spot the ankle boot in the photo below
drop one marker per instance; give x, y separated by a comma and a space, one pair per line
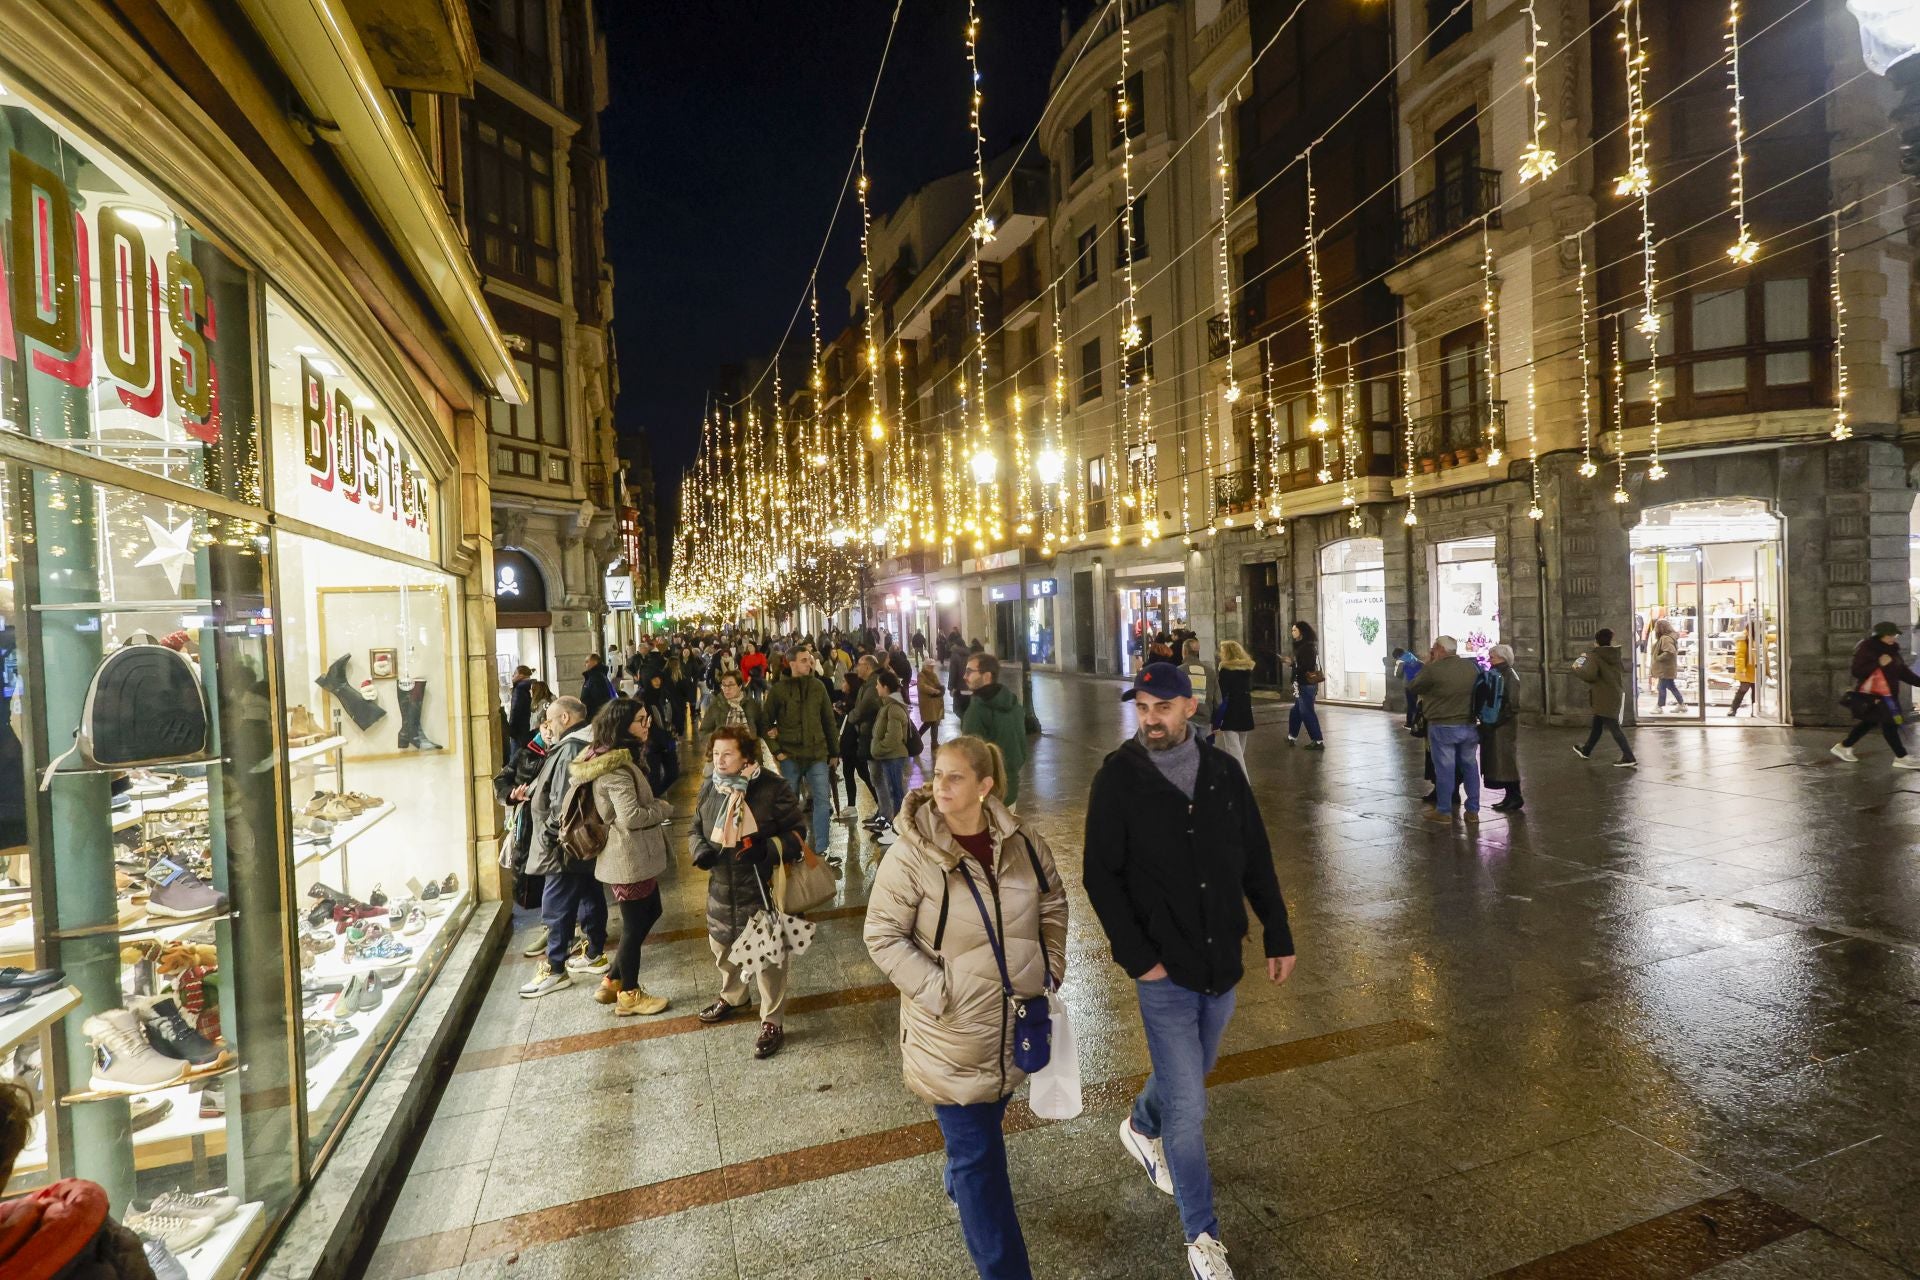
413, 699
362, 712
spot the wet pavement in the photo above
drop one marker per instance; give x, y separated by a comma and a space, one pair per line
1661, 1023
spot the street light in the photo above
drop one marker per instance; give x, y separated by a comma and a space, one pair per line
984, 465
1889, 37
1050, 466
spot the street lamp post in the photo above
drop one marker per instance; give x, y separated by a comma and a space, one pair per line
1889, 37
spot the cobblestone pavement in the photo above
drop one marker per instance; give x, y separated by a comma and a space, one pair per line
1663, 1023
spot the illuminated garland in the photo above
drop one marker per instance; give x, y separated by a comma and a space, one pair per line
1619, 416
1840, 429
1743, 250
1129, 431
1587, 468
1316, 328
1534, 511
1412, 517
1488, 311
1536, 161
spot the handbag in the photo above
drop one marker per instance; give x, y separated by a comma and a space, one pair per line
803, 884
1314, 677
770, 939
1032, 1019
1055, 1093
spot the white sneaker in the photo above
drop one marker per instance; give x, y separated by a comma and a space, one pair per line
544, 982
1842, 751
1207, 1259
888, 835
588, 964
537, 947
1148, 1151
1907, 762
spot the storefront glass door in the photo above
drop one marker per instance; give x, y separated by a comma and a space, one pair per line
1353, 626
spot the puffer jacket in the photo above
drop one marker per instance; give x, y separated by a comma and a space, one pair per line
1602, 668
956, 1024
891, 727
636, 843
737, 876
64, 1232
545, 856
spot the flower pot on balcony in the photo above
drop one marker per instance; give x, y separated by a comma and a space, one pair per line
1429, 465
1463, 457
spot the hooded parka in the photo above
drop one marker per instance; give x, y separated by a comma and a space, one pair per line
1602, 668
636, 842
956, 1024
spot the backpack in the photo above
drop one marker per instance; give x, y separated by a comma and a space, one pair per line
915, 743
583, 832
1489, 696
144, 706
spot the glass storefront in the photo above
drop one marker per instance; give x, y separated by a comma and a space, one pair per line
1149, 609
233, 816
1353, 611
1710, 572
1466, 594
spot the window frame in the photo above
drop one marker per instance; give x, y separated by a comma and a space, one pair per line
489, 214
1080, 148
1090, 372
1086, 271
1136, 118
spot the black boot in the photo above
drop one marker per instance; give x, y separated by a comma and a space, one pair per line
361, 710
413, 699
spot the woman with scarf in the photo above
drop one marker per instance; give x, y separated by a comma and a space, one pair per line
635, 855
746, 821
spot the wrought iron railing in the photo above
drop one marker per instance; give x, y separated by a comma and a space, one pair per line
1449, 209
1456, 436
1233, 491
1217, 337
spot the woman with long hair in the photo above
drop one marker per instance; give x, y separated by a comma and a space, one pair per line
968, 917
635, 856
1235, 716
1307, 679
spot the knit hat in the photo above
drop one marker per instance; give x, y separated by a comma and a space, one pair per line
1885, 629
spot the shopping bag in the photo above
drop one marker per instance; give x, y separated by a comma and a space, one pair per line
803, 885
770, 939
1055, 1092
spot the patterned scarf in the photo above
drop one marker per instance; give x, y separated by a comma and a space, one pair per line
736, 818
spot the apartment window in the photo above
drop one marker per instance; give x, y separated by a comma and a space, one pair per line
1139, 362
1140, 472
1096, 490
1135, 121
1752, 348
1787, 320
512, 35
510, 217
1447, 21
1139, 221
524, 431
1082, 146
1087, 265
1719, 320
1090, 371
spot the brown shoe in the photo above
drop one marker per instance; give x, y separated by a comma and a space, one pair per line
718, 1011
607, 992
769, 1041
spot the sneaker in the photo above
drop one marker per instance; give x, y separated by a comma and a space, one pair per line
176, 1231
886, 837
1628, 763
34, 982
1841, 751
1583, 753
635, 1001
450, 886
185, 1204
385, 947
1207, 1259
172, 1036
184, 895
588, 964
145, 1112
416, 922
544, 983
1148, 1151
1906, 762
124, 1060
768, 1042
160, 1259
213, 1101
608, 992
538, 946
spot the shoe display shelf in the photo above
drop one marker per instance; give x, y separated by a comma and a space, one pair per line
35, 1014
192, 796
181, 1137
231, 1240
334, 963
314, 750
328, 756
345, 833
146, 925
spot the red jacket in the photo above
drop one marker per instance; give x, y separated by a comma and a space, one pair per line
752, 663
63, 1230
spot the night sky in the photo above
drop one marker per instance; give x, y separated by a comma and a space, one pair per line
729, 133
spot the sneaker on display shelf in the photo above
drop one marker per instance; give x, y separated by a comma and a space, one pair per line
416, 922
32, 981
147, 1112
160, 1259
124, 1061
318, 1044
450, 886
206, 1204
181, 895
213, 1102
171, 1035
385, 947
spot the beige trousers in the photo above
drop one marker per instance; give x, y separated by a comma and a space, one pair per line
733, 988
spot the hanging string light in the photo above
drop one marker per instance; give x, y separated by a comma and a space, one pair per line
1207, 494
981, 462
1232, 393
1840, 429
876, 426
1536, 161
1491, 319
1316, 328
1349, 415
1637, 180
1266, 426
1412, 517
1534, 511
1133, 432
1587, 468
1619, 415
1744, 249
1186, 484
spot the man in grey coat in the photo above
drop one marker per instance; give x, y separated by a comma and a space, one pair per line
570, 892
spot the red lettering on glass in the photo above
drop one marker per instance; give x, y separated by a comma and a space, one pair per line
207, 432
7, 349
77, 372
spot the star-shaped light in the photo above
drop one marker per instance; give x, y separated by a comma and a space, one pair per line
170, 549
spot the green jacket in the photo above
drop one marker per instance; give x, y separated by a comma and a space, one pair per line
994, 713
716, 715
1445, 690
803, 715
891, 728
1603, 669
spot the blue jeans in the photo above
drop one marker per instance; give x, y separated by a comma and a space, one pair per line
566, 896
890, 785
820, 788
1456, 757
1667, 686
1183, 1041
1302, 713
977, 1183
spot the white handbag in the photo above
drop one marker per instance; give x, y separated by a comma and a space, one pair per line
771, 938
1055, 1088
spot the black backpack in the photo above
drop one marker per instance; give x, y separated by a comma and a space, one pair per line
144, 706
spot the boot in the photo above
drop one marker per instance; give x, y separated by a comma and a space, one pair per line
362, 712
413, 700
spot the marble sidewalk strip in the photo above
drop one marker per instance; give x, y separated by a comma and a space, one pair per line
1685, 1242
424, 1255
662, 937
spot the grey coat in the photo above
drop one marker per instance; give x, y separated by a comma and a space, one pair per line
544, 857
636, 840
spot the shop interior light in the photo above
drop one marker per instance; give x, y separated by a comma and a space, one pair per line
145, 219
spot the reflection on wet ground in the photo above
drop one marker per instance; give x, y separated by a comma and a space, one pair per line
1661, 1023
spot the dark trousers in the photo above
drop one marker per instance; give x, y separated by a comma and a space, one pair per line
1607, 724
978, 1184
1888, 729
1740, 696
636, 921
568, 896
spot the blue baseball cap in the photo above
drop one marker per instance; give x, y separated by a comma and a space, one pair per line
1159, 680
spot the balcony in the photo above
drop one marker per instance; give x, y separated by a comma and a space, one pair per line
1910, 382
1458, 437
1233, 491
1449, 209
1217, 337
599, 492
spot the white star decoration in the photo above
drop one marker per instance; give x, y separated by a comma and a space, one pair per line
170, 549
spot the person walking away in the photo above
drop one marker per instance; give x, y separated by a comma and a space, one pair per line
570, 891
1445, 686
957, 655
892, 728
1877, 667
1663, 664
635, 855
1603, 668
1206, 685
520, 710
1307, 679
798, 715
753, 668
902, 666
1175, 849
994, 713
596, 688
1409, 666
1743, 669
1499, 716
968, 883
1235, 713
745, 821
933, 702
918, 645
734, 706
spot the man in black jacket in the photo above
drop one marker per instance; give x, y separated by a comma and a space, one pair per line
1174, 844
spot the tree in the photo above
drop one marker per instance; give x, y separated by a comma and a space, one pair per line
826, 577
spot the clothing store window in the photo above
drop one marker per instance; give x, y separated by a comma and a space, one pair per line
1466, 594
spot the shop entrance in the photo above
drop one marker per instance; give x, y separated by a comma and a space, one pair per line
1353, 620
1263, 621
1466, 594
1710, 572
1149, 610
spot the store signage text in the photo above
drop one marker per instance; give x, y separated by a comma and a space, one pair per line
619, 591
348, 455
46, 297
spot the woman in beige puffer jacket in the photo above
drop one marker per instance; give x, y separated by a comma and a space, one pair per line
927, 934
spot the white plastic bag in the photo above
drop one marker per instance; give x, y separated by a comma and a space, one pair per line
1055, 1094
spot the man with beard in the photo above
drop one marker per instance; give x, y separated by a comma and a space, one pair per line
1175, 849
